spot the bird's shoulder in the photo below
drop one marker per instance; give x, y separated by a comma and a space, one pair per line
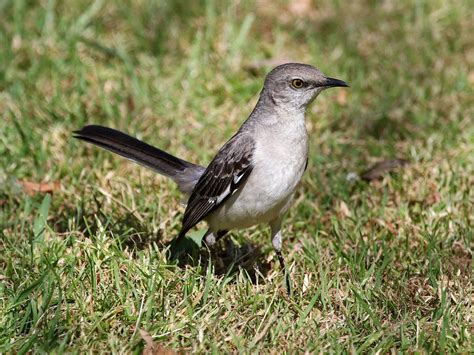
236, 152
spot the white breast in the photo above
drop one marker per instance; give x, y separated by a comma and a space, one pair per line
279, 163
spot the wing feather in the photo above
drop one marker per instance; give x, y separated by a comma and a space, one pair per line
225, 174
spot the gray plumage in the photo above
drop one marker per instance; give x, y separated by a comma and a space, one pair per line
252, 178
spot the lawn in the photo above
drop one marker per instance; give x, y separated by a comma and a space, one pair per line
379, 266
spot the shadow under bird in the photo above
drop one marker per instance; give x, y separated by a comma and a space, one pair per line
253, 177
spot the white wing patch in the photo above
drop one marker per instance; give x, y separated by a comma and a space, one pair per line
223, 195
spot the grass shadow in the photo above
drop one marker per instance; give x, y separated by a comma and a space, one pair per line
226, 257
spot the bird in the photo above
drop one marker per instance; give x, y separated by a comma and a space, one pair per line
253, 177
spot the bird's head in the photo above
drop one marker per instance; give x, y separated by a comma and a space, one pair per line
294, 86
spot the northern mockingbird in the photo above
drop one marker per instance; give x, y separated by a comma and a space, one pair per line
252, 178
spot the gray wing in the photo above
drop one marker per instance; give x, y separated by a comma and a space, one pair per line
227, 171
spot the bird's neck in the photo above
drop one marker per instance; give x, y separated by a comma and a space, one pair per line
278, 126
271, 112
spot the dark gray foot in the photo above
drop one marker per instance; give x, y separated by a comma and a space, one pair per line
285, 271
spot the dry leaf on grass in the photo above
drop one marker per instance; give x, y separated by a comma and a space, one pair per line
470, 77
32, 188
343, 210
381, 168
306, 282
153, 348
387, 225
300, 7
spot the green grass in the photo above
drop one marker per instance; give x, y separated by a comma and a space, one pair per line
377, 267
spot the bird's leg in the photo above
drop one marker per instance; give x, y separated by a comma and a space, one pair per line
277, 243
211, 238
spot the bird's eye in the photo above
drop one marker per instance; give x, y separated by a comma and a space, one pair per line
297, 83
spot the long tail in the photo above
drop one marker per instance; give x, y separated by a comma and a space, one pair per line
184, 173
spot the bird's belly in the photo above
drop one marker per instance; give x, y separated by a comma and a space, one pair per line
265, 196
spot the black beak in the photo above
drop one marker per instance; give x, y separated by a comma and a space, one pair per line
331, 83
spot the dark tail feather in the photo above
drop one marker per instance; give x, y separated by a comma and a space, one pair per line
184, 173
